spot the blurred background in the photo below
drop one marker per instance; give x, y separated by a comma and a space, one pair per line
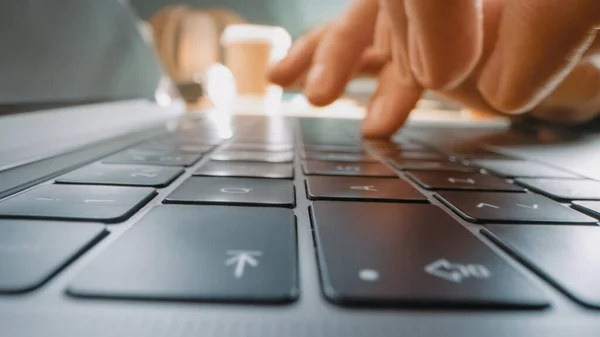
216, 54
297, 16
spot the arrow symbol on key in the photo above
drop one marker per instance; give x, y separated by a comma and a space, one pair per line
534, 206
482, 205
240, 259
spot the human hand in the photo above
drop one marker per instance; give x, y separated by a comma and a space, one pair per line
508, 56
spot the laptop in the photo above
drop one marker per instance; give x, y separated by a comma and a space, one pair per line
122, 216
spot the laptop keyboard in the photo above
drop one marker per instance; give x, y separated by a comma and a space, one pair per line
227, 232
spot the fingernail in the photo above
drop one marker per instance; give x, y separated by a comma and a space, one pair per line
318, 82
372, 121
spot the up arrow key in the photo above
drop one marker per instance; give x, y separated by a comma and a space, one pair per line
240, 259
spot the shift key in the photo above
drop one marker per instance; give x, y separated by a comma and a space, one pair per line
199, 253
409, 255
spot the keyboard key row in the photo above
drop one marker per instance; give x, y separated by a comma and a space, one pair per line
246, 170
163, 159
170, 147
339, 157
261, 147
254, 156
414, 165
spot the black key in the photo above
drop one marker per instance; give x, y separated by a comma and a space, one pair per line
390, 148
77, 202
566, 256
433, 166
414, 155
246, 170
263, 147
236, 191
354, 188
158, 158
333, 148
462, 181
520, 168
590, 207
200, 138
127, 175
511, 207
267, 157
564, 189
312, 167
340, 157
342, 140
31, 252
200, 253
472, 152
360, 248
169, 147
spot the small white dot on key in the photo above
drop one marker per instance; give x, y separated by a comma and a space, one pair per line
368, 275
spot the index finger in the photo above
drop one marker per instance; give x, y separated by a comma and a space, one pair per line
340, 51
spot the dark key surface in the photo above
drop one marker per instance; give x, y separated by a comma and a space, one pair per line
340, 157
257, 156
126, 175
461, 181
590, 207
472, 152
403, 156
511, 207
564, 189
355, 188
520, 168
410, 255
158, 158
31, 252
194, 138
246, 170
77, 202
433, 166
313, 167
568, 257
264, 147
240, 191
333, 148
392, 148
170, 147
199, 253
